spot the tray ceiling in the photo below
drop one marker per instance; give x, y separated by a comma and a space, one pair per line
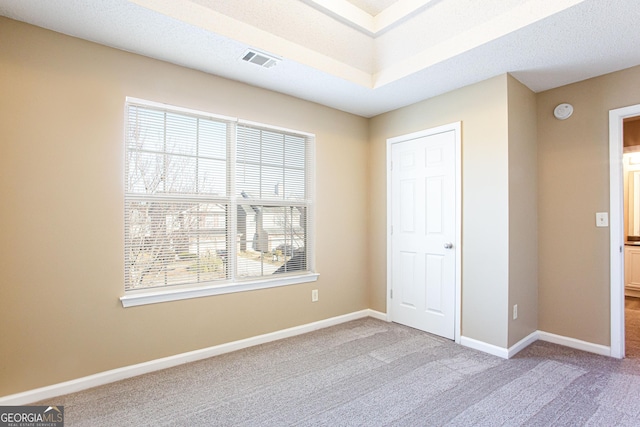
361, 56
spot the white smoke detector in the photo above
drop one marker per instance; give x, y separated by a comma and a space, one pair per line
563, 111
262, 59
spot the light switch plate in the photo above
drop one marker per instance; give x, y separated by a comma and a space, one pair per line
602, 219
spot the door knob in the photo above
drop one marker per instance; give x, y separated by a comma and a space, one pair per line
448, 245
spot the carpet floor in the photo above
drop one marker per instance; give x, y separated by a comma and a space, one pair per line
371, 373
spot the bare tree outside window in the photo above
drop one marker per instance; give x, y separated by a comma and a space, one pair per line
174, 234
190, 221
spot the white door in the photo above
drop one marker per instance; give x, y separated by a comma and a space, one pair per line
423, 233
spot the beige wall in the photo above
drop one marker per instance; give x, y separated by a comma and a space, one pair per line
573, 184
523, 212
61, 181
482, 109
61, 228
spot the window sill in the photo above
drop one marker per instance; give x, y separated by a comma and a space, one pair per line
137, 298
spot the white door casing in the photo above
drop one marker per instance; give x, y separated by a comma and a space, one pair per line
616, 226
423, 206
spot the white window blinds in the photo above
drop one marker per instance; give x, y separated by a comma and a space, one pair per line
189, 219
273, 185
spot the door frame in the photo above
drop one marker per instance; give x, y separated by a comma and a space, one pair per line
456, 127
616, 230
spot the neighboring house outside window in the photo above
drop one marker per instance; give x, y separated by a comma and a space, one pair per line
213, 202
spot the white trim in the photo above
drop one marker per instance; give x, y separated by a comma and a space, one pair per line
398, 12
275, 128
174, 108
484, 347
616, 228
311, 206
118, 374
135, 298
388, 233
378, 315
347, 13
456, 127
522, 344
574, 343
362, 21
458, 245
232, 241
530, 339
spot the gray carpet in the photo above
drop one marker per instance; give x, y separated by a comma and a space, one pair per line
371, 373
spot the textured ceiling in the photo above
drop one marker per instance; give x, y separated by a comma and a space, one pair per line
361, 56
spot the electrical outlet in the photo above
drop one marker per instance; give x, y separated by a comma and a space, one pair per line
515, 311
314, 295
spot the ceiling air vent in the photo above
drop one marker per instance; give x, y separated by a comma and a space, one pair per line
260, 58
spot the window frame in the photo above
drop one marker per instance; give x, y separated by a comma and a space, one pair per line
232, 284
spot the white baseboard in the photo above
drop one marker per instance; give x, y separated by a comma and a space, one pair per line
118, 374
378, 315
505, 353
522, 344
574, 343
484, 347
530, 339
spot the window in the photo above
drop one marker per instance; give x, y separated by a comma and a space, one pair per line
212, 201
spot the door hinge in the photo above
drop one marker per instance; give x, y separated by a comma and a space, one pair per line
391, 165
391, 293
392, 230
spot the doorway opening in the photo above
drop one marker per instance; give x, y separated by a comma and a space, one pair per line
619, 230
631, 214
